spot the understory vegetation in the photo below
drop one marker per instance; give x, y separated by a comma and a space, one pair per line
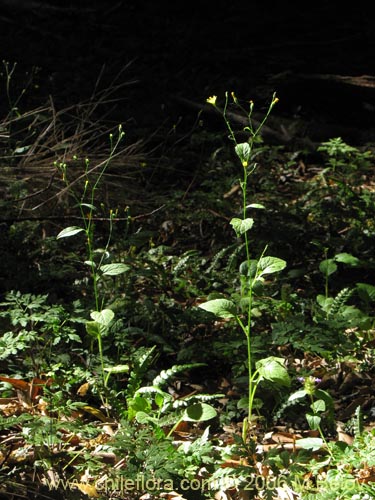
186, 316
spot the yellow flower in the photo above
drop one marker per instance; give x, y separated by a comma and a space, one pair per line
212, 100
275, 101
235, 100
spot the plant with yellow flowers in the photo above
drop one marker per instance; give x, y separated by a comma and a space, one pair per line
251, 271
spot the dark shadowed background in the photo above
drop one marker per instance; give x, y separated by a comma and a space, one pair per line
187, 49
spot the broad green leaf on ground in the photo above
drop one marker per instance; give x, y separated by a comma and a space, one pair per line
313, 444
69, 231
223, 308
199, 412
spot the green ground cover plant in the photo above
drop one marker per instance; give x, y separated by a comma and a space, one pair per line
191, 363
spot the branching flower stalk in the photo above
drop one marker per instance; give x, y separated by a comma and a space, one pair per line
245, 151
87, 209
102, 318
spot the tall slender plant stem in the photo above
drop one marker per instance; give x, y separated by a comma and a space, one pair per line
247, 289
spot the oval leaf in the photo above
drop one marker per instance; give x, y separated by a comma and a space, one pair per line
69, 231
318, 406
96, 329
313, 421
114, 269
223, 308
328, 267
93, 328
273, 369
269, 265
243, 151
297, 395
347, 258
199, 412
241, 225
313, 444
103, 317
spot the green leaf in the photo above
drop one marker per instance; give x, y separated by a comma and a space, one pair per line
269, 265
325, 302
103, 317
273, 369
347, 258
199, 412
138, 404
159, 399
95, 329
243, 403
88, 205
117, 369
326, 397
90, 263
243, 151
318, 406
249, 268
313, 420
328, 267
69, 231
366, 291
256, 205
241, 225
313, 444
21, 149
223, 308
114, 269
297, 395
144, 418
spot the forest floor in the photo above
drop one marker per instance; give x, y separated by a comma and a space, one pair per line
174, 187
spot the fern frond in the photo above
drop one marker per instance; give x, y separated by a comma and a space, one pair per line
143, 359
165, 375
340, 300
182, 263
235, 257
194, 398
219, 256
